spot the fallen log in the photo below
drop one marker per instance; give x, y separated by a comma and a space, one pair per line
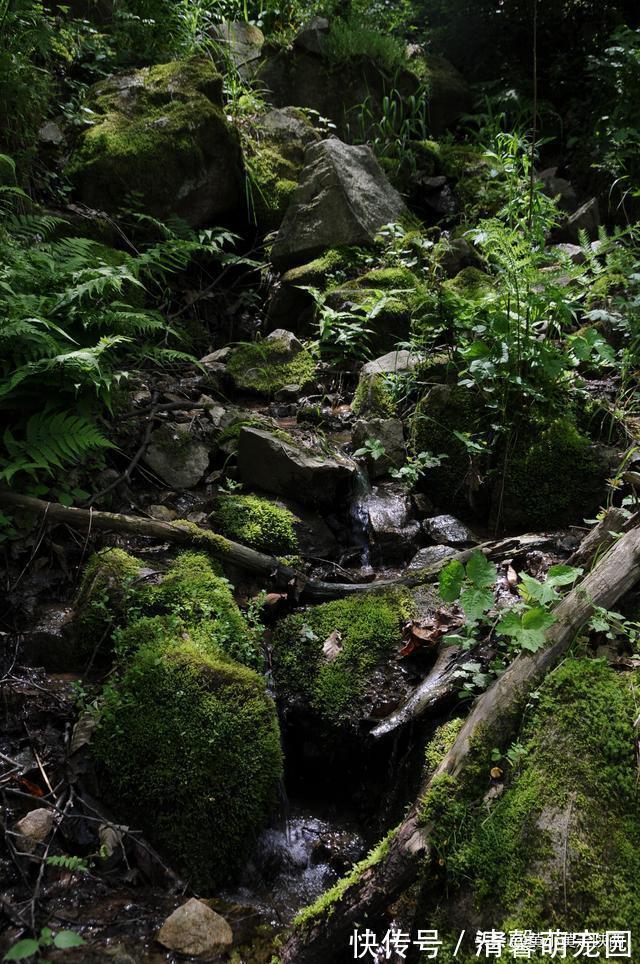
440, 684
322, 937
188, 534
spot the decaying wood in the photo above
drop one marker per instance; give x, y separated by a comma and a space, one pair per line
497, 711
266, 566
441, 683
600, 537
435, 689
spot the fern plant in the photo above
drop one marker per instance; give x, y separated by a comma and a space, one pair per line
75, 318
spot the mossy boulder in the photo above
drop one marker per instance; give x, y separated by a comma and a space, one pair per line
264, 367
256, 522
562, 843
160, 143
107, 583
329, 681
444, 411
189, 752
389, 296
290, 304
274, 149
376, 393
554, 475
470, 284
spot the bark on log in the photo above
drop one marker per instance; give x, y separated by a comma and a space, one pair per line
325, 939
279, 575
438, 686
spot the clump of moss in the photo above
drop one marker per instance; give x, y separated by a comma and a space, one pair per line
105, 588
194, 591
441, 742
273, 180
267, 366
190, 752
369, 625
373, 396
334, 264
257, 523
470, 284
444, 411
552, 477
562, 844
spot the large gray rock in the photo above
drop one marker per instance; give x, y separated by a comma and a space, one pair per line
196, 930
343, 198
447, 530
177, 456
393, 533
394, 362
242, 44
312, 36
286, 467
430, 556
389, 433
159, 141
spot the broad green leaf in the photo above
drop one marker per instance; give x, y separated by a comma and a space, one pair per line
480, 571
526, 629
65, 939
476, 602
563, 575
450, 581
22, 950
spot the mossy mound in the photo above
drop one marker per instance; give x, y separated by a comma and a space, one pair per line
554, 475
106, 586
369, 626
470, 284
374, 396
160, 142
190, 751
444, 411
267, 366
561, 847
256, 522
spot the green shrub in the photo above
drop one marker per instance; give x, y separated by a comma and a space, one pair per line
356, 38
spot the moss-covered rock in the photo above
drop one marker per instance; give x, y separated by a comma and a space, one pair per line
470, 284
189, 751
294, 307
364, 628
553, 475
562, 844
374, 397
444, 411
160, 142
105, 589
264, 367
390, 297
256, 522
274, 146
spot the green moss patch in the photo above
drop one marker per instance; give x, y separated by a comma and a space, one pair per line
267, 366
190, 751
106, 586
369, 624
553, 476
562, 844
257, 523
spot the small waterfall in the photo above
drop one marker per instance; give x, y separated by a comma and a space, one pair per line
359, 515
